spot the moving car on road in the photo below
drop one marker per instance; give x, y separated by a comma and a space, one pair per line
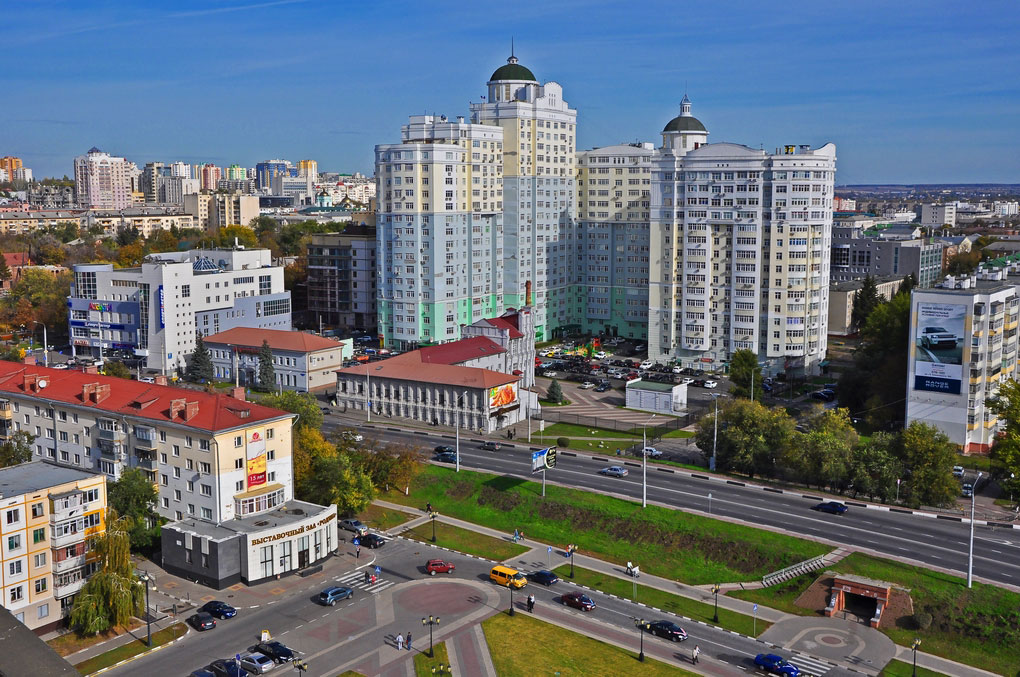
602, 387
444, 449
278, 651
831, 507
330, 596
354, 526
490, 446
502, 575
711, 384
957, 471
968, 489
667, 630
219, 609
446, 457
614, 471
777, 664
372, 541
438, 565
578, 600
544, 576
202, 621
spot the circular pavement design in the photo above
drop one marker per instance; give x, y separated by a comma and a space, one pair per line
833, 639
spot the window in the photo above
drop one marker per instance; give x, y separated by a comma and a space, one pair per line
204, 468
238, 463
177, 494
39, 560
13, 516
166, 502
206, 490
177, 450
177, 473
239, 485
39, 535
17, 594
44, 611
14, 567
38, 510
206, 514
185, 291
266, 559
40, 585
238, 441
14, 542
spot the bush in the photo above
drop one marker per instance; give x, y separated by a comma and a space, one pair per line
562, 442
922, 619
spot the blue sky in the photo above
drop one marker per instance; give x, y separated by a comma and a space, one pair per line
909, 91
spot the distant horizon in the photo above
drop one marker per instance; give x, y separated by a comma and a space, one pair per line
909, 93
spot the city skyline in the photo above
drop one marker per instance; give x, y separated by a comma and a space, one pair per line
914, 93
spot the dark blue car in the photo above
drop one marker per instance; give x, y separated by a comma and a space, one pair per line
227, 667
544, 577
831, 507
219, 609
777, 664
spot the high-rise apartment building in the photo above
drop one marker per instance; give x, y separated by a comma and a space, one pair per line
236, 173
739, 250
265, 172
211, 175
308, 168
9, 164
49, 513
213, 211
441, 251
181, 169
102, 181
935, 215
342, 279
613, 193
539, 238
23, 174
157, 309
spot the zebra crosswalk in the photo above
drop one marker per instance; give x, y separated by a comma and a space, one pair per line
356, 580
809, 665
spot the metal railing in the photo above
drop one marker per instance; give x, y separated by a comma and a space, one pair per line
793, 570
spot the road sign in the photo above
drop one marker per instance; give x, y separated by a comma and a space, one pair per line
548, 548
355, 542
378, 571
755, 608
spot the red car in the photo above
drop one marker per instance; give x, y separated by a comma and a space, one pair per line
434, 565
579, 600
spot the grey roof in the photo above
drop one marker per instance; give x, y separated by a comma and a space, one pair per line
651, 385
684, 123
36, 476
289, 513
27, 654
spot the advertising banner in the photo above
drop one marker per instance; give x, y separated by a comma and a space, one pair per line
543, 459
256, 455
938, 337
500, 396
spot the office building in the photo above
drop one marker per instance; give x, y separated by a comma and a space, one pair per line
299, 188
158, 308
302, 362
963, 345
181, 169
213, 211
49, 512
441, 255
613, 194
342, 279
266, 172
223, 467
103, 181
540, 237
738, 252
938, 215
886, 252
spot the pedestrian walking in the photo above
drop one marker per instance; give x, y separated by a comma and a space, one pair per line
400, 642
697, 652
408, 641
357, 551
531, 604
428, 507
367, 577
515, 536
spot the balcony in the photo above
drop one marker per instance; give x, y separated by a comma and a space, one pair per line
111, 451
6, 411
112, 434
145, 438
67, 589
66, 539
68, 563
146, 461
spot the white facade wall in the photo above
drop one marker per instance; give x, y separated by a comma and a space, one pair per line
938, 215
102, 181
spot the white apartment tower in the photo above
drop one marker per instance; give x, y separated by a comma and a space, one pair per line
738, 250
102, 181
439, 230
539, 133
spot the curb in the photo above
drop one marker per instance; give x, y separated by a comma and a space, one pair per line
187, 631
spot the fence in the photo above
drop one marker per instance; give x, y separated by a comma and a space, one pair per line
677, 423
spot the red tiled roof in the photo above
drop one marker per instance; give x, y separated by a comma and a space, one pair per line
17, 259
463, 350
297, 341
133, 398
411, 367
506, 322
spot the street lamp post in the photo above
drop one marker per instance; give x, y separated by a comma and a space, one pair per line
433, 514
431, 622
45, 347
917, 643
144, 577
970, 553
644, 464
511, 611
715, 589
715, 431
457, 426
571, 562
641, 627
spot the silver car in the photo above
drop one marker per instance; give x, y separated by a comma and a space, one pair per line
938, 337
354, 525
614, 471
257, 663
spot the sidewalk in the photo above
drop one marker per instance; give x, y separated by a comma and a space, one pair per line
939, 664
138, 634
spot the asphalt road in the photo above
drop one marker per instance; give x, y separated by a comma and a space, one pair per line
935, 542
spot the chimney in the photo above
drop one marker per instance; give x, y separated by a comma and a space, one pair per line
160, 379
91, 369
28, 359
177, 407
527, 293
101, 392
190, 410
237, 392
87, 391
31, 382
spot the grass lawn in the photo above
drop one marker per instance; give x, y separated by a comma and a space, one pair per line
572, 430
351, 673
553, 650
423, 665
585, 444
382, 518
72, 642
113, 656
546, 403
463, 540
678, 433
901, 669
667, 601
979, 627
675, 544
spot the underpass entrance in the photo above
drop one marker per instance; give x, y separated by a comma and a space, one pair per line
865, 598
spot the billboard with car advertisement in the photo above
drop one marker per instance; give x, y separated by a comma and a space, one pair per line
939, 332
256, 456
501, 396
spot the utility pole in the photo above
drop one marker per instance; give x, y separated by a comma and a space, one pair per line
970, 554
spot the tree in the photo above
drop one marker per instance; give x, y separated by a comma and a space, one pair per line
303, 404
908, 284
1005, 404
134, 496
554, 394
244, 236
866, 299
126, 236
824, 455
929, 455
5, 270
130, 255
875, 467
325, 476
267, 374
65, 231
745, 371
752, 439
16, 450
37, 295
390, 465
162, 241
118, 369
200, 370
112, 595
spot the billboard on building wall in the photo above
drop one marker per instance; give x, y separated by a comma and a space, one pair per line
500, 396
938, 347
256, 455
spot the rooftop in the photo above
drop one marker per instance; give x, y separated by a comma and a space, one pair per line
35, 476
160, 404
291, 512
641, 384
414, 366
278, 339
30, 654
512, 70
507, 322
463, 350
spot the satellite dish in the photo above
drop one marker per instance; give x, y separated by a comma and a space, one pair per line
42, 383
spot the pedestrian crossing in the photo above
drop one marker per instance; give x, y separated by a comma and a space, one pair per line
809, 665
356, 580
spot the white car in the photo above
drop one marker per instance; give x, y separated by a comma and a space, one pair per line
586, 386
599, 355
938, 337
59, 366
652, 452
614, 471
686, 381
352, 436
647, 364
957, 471
711, 384
550, 374
678, 370
257, 663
